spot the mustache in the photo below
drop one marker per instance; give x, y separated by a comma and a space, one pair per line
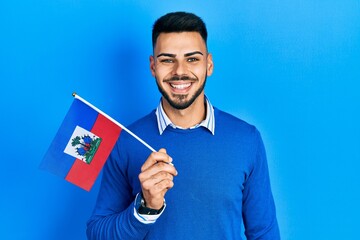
178, 78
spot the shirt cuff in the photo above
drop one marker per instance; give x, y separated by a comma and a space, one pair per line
143, 218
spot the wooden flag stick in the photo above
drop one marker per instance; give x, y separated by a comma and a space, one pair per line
114, 121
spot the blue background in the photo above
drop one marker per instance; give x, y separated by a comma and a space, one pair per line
290, 67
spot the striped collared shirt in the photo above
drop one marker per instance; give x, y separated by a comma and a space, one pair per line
209, 122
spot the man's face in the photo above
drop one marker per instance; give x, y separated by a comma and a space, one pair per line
180, 65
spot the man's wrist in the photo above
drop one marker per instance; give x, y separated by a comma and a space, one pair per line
143, 209
144, 215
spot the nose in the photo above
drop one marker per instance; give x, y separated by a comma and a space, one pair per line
179, 69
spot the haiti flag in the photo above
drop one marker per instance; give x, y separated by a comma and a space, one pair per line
82, 144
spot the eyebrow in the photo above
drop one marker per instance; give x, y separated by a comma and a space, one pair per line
174, 55
166, 55
193, 53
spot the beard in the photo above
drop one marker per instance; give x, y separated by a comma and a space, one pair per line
181, 102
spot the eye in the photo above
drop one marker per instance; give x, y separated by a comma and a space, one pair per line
167, 60
192, 59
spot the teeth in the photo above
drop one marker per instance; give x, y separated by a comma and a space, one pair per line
181, 86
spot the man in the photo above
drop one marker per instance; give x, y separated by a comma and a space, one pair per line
213, 174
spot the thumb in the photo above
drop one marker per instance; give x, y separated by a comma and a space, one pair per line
163, 150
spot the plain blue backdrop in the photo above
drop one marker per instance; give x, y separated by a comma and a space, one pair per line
292, 68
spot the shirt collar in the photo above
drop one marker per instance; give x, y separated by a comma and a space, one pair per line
163, 120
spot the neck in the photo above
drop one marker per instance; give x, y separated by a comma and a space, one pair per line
189, 117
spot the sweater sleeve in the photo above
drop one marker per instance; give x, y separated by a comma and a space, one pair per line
258, 204
113, 216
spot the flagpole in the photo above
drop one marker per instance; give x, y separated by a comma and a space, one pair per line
114, 121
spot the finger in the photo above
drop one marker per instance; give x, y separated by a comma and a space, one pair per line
160, 188
163, 186
170, 158
157, 168
156, 157
163, 150
155, 179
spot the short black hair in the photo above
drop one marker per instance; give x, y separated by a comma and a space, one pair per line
179, 22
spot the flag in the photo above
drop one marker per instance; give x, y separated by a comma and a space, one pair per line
82, 144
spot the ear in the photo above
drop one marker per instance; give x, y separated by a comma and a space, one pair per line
210, 64
152, 65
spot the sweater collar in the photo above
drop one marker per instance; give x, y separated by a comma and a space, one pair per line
163, 120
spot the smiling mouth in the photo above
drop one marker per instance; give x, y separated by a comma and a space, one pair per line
180, 86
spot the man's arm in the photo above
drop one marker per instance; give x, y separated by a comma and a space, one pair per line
258, 204
115, 215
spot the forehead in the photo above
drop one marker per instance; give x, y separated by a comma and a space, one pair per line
179, 42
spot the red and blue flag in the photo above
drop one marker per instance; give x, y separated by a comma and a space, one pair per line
81, 145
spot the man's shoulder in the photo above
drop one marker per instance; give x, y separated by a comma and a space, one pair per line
228, 122
229, 118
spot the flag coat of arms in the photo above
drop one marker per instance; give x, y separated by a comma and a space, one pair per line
81, 145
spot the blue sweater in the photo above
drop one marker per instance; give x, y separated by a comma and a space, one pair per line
222, 180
